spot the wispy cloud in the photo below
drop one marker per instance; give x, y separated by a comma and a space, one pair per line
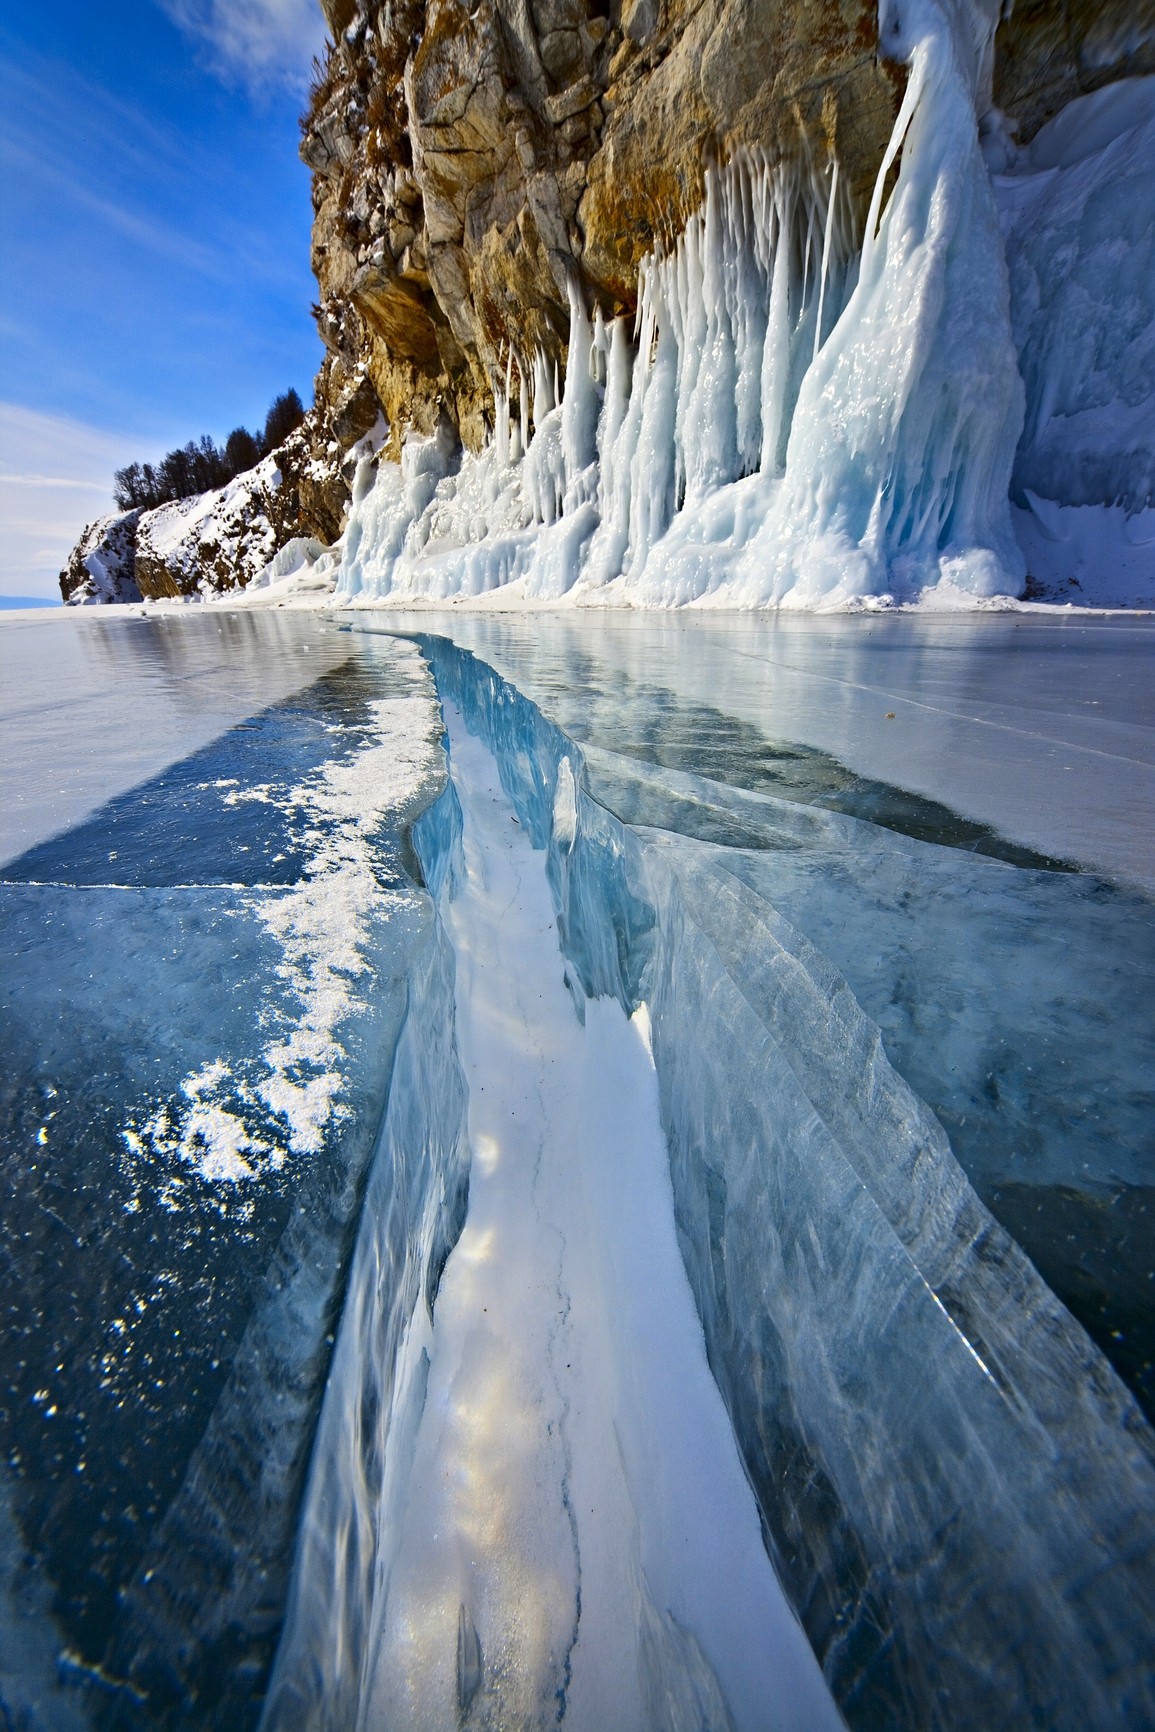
255, 42
55, 100
158, 237
55, 477
93, 149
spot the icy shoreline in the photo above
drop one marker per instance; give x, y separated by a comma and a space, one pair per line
948, 406
807, 418
1024, 689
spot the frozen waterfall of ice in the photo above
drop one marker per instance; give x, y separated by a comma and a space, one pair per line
814, 412
1079, 213
802, 415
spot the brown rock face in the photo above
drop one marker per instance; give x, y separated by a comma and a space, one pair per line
1049, 51
775, 76
469, 163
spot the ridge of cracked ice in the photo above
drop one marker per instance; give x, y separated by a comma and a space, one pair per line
565, 1529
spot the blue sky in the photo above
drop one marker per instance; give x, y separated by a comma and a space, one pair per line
155, 279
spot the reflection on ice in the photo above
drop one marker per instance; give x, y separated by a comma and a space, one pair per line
1007, 998
97, 704
1041, 730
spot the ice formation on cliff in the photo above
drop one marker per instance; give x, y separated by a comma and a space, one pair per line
800, 417
1078, 214
806, 416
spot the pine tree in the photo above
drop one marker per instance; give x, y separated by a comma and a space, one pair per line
202, 465
285, 414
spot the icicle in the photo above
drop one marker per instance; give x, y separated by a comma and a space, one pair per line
776, 350
749, 292
910, 101
579, 406
544, 395
653, 468
501, 427
523, 403
615, 443
707, 384
907, 484
501, 421
599, 349
791, 424
619, 369
826, 240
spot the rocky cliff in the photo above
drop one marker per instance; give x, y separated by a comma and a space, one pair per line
102, 566
469, 165
225, 539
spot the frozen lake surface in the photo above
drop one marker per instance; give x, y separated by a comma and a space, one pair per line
93, 702
1043, 728
873, 897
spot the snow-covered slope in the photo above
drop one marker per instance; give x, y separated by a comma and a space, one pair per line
102, 565
214, 540
225, 539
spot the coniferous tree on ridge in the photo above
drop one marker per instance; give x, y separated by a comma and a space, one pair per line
202, 465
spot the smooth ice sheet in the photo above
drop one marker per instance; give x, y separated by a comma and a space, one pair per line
947, 1469
200, 999
1042, 729
94, 701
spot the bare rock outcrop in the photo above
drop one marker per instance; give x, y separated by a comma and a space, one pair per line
1049, 51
